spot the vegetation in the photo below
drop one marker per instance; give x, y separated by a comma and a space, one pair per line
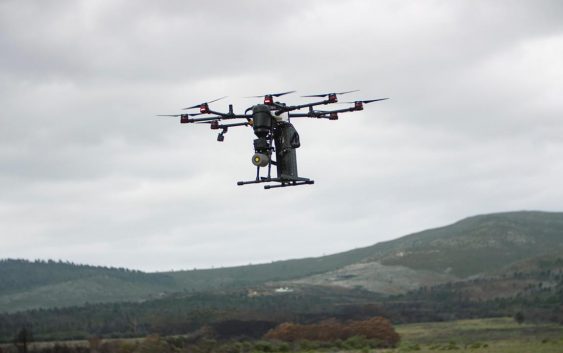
20, 275
467, 332
43, 284
376, 328
48, 284
480, 244
475, 246
186, 312
499, 335
242, 301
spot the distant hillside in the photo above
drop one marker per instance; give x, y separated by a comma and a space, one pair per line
241, 276
21, 275
47, 284
44, 284
536, 279
479, 244
476, 246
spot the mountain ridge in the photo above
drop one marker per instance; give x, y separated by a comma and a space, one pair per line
473, 246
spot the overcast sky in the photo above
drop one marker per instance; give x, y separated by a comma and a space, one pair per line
89, 174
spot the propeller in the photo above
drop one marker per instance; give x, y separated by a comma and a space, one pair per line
272, 94
328, 94
199, 105
368, 101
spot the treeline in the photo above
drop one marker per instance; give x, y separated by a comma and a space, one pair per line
18, 275
155, 343
538, 294
228, 311
186, 312
328, 335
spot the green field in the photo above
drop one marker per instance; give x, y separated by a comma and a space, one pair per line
500, 335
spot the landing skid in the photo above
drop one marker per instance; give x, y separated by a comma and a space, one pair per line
284, 182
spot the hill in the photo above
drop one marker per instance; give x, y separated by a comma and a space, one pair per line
28, 285
479, 244
539, 279
476, 247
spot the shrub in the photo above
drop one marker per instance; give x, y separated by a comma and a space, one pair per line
378, 329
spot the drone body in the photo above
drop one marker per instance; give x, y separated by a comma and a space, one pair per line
271, 122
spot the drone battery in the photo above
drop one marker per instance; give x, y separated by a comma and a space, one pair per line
262, 120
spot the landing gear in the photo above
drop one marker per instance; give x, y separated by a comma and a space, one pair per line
283, 182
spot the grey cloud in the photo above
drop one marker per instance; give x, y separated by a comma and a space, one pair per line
87, 173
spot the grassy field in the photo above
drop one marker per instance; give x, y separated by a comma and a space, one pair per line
499, 335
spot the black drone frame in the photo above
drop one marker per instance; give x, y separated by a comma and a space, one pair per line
271, 122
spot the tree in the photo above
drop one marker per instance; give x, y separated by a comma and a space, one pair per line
22, 339
519, 317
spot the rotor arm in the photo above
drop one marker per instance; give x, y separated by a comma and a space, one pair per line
229, 115
224, 128
330, 98
317, 115
333, 114
215, 124
284, 109
324, 114
218, 116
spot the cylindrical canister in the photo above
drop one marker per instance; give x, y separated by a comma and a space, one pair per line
286, 140
262, 120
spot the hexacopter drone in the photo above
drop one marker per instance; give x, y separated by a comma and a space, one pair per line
271, 122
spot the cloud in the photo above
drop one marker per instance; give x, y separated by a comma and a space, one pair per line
89, 174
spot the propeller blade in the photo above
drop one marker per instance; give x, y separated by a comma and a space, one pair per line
375, 100
327, 94
281, 94
368, 101
218, 99
179, 115
200, 104
315, 95
272, 94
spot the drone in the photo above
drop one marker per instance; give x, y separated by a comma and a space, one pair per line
276, 135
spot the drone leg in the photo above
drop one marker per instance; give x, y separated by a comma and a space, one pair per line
269, 169
257, 173
270, 163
